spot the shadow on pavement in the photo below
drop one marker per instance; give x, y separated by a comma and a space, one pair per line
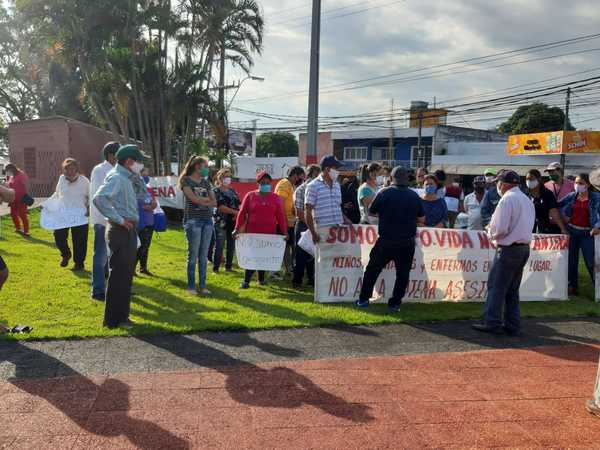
68, 395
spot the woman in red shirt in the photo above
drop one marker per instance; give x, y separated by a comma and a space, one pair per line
261, 213
17, 180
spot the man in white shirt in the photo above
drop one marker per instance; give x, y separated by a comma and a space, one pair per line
511, 230
100, 268
473, 204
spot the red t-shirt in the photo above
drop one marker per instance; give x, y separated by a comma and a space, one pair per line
262, 214
19, 184
454, 192
581, 214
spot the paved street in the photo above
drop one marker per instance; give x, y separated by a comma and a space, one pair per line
397, 386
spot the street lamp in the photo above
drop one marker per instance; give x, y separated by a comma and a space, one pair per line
249, 77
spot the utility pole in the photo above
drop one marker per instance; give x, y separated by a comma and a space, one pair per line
563, 158
313, 96
419, 136
391, 155
254, 121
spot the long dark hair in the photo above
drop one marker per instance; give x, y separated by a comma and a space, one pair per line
190, 167
367, 169
12, 167
586, 177
536, 173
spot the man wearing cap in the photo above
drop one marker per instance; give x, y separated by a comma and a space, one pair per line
473, 204
490, 198
511, 230
117, 200
558, 184
400, 211
100, 260
323, 198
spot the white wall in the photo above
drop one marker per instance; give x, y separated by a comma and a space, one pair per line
247, 167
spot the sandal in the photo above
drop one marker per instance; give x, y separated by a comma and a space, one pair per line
21, 329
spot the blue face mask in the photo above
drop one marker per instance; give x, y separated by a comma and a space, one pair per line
146, 179
430, 189
265, 188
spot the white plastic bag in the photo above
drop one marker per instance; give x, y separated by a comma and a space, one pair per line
306, 243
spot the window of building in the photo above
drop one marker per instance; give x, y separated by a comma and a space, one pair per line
420, 158
29, 162
383, 154
356, 153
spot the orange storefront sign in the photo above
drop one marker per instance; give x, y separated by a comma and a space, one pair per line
554, 143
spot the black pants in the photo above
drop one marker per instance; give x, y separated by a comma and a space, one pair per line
402, 253
122, 244
145, 235
304, 262
248, 276
79, 236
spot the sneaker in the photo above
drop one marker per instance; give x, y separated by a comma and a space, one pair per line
192, 291
205, 292
127, 325
64, 262
98, 298
361, 304
592, 408
244, 285
393, 308
146, 272
484, 328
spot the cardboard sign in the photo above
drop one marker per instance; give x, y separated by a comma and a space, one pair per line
449, 265
57, 216
260, 251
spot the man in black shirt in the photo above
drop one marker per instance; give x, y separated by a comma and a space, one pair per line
546, 206
400, 211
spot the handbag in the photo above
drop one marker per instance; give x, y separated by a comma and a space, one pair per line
160, 220
27, 200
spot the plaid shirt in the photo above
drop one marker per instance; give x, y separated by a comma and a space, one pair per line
299, 196
326, 201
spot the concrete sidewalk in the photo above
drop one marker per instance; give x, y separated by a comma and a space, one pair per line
398, 386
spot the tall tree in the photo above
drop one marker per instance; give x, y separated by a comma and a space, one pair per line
535, 118
277, 143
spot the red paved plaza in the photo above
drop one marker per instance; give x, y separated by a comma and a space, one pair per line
500, 398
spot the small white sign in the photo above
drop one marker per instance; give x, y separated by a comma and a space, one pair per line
452, 204
57, 216
260, 251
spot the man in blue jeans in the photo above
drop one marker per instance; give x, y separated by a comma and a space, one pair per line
100, 261
511, 230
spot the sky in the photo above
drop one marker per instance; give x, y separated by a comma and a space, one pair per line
362, 40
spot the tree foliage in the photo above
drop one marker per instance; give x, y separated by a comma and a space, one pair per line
535, 118
278, 144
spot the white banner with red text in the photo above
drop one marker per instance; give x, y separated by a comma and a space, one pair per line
449, 265
166, 192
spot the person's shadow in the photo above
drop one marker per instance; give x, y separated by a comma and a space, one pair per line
141, 433
248, 384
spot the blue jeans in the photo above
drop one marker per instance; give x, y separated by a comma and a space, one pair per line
580, 240
504, 282
199, 234
223, 236
100, 262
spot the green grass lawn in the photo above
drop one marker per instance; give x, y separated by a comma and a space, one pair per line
56, 303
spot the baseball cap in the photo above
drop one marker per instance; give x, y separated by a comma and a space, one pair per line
509, 177
553, 166
489, 171
400, 176
330, 161
130, 151
479, 179
260, 175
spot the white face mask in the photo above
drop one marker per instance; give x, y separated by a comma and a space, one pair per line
532, 184
381, 180
499, 189
226, 181
581, 188
334, 174
137, 167
489, 180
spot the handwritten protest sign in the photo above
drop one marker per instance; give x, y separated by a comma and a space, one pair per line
260, 251
56, 215
449, 265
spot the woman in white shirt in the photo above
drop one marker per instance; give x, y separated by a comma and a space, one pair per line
73, 190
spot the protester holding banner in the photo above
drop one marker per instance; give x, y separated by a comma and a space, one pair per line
17, 181
491, 197
434, 207
511, 230
261, 213
73, 189
323, 202
400, 211
304, 262
285, 190
558, 184
100, 260
197, 219
473, 204
146, 207
371, 181
547, 215
581, 210
228, 206
117, 200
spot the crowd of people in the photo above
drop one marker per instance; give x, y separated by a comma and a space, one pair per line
121, 208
